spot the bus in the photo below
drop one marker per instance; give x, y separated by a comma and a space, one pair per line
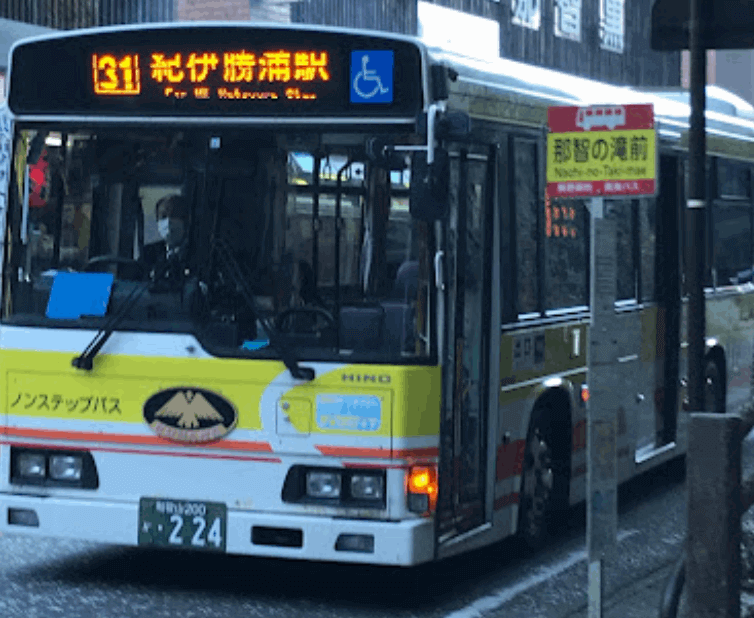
299, 292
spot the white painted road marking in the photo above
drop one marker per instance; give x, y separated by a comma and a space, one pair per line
500, 597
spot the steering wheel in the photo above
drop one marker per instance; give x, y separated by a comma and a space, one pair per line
95, 262
285, 322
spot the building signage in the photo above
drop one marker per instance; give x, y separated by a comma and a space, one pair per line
526, 13
601, 150
612, 25
568, 19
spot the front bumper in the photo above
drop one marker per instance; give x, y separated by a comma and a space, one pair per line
401, 543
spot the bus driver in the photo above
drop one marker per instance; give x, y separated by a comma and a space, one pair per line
172, 217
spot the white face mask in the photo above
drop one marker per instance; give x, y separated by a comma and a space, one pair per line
170, 230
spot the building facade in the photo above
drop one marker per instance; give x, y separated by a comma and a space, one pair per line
606, 40
68, 14
601, 39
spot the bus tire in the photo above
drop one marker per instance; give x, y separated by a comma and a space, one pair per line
714, 389
543, 483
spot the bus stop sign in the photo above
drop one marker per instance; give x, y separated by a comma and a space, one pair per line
601, 150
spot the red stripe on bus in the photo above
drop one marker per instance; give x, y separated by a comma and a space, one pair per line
510, 460
578, 438
407, 453
90, 436
129, 451
507, 500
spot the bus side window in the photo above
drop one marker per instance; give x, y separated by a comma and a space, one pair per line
622, 212
566, 242
526, 206
647, 247
731, 225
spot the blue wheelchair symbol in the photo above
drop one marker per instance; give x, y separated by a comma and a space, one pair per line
371, 76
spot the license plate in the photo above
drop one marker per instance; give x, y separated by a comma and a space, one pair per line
188, 524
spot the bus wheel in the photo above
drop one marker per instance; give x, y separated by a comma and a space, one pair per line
714, 393
537, 484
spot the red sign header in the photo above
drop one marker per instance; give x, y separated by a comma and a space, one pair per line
600, 117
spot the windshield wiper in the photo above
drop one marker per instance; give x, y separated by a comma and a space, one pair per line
86, 359
287, 355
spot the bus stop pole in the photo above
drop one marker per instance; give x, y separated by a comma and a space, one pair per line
696, 246
602, 500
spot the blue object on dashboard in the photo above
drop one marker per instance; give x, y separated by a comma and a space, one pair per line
74, 295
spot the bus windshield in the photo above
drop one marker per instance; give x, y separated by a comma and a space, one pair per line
222, 235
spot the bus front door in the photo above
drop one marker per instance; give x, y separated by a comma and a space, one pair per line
461, 500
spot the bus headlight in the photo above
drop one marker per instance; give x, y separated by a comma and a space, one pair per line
66, 467
31, 465
53, 468
367, 486
320, 484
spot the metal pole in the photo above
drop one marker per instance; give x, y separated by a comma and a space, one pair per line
602, 500
696, 245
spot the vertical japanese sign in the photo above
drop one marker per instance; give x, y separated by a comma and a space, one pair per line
568, 19
601, 150
612, 25
526, 13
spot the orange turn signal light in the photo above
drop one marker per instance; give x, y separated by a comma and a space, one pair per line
422, 481
584, 393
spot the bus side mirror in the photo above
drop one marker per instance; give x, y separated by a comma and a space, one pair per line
430, 183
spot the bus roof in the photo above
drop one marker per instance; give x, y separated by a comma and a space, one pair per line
727, 115
12, 31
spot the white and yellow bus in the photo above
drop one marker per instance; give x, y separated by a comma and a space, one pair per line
297, 292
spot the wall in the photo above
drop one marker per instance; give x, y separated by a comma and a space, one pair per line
386, 15
67, 14
212, 10
234, 10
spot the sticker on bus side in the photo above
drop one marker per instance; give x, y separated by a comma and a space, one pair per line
349, 412
6, 130
6, 136
528, 351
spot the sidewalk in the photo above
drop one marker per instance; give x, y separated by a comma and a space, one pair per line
642, 598
639, 600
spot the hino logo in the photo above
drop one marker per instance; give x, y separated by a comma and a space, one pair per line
355, 377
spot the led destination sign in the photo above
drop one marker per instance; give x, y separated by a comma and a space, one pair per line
210, 70
229, 74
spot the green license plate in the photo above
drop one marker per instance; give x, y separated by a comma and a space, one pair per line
188, 524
